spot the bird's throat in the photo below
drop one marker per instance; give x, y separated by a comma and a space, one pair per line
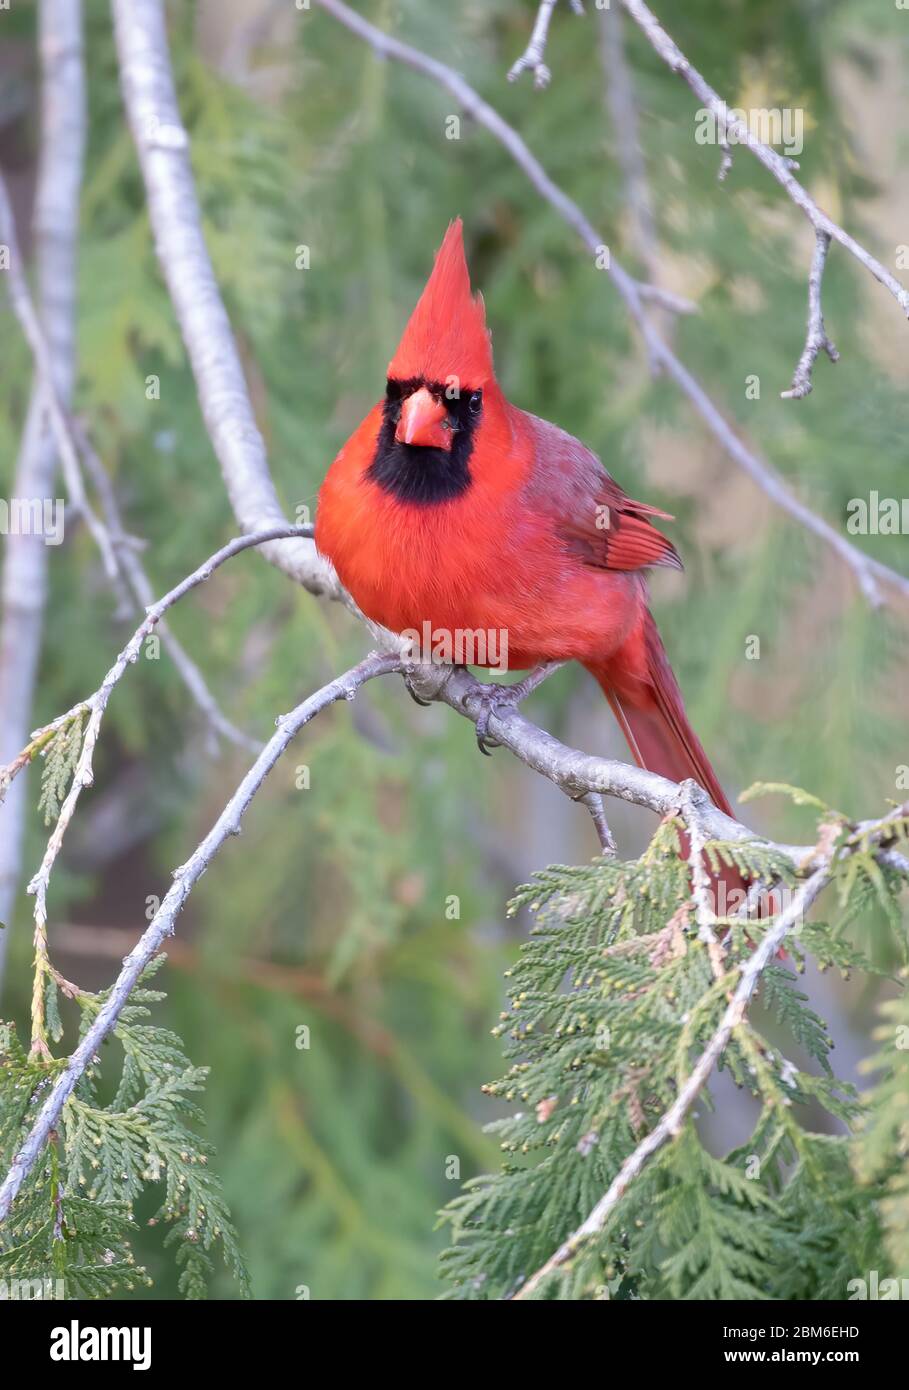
419, 475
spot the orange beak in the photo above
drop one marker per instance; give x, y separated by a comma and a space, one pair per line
424, 421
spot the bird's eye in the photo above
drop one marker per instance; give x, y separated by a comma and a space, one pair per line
475, 403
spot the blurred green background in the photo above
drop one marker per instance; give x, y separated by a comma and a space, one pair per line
333, 911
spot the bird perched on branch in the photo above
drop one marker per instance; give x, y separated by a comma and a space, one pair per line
451, 510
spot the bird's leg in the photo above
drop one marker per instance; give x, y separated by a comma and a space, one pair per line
501, 697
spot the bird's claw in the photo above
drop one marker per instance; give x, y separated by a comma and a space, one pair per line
417, 699
493, 700
506, 697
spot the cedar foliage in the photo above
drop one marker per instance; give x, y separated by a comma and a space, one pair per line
74, 1216
611, 1002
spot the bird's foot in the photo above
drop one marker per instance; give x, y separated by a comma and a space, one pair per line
422, 679
417, 699
497, 698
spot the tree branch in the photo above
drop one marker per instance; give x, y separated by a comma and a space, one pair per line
118, 549
824, 858
173, 206
691, 804
163, 923
817, 335
778, 165
577, 773
142, 593
95, 704
24, 309
624, 113
531, 60
56, 221
83, 775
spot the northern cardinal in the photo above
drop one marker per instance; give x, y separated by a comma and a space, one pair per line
452, 507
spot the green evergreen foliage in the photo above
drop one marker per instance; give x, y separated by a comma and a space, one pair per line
882, 1148
612, 1000
60, 754
81, 1196
53, 1231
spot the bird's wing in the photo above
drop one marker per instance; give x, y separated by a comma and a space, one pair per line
590, 512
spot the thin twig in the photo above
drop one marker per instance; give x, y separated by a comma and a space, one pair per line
691, 804
778, 165
24, 309
623, 109
531, 60
96, 703
666, 299
816, 338
140, 587
163, 923
594, 803
869, 573
83, 775
671, 1123
73, 443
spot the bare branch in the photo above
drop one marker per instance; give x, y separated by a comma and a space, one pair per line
778, 165
817, 335
666, 299
83, 775
96, 704
531, 60
577, 773
24, 309
141, 590
623, 110
671, 1123
118, 548
869, 573
163, 149
594, 804
691, 803
163, 923
25, 564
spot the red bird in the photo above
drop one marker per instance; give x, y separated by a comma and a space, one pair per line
452, 507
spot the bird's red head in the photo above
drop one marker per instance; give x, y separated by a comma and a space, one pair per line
443, 414
446, 336
444, 359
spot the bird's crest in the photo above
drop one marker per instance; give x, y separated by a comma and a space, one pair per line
446, 335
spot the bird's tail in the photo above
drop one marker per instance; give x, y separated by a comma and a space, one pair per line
644, 694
